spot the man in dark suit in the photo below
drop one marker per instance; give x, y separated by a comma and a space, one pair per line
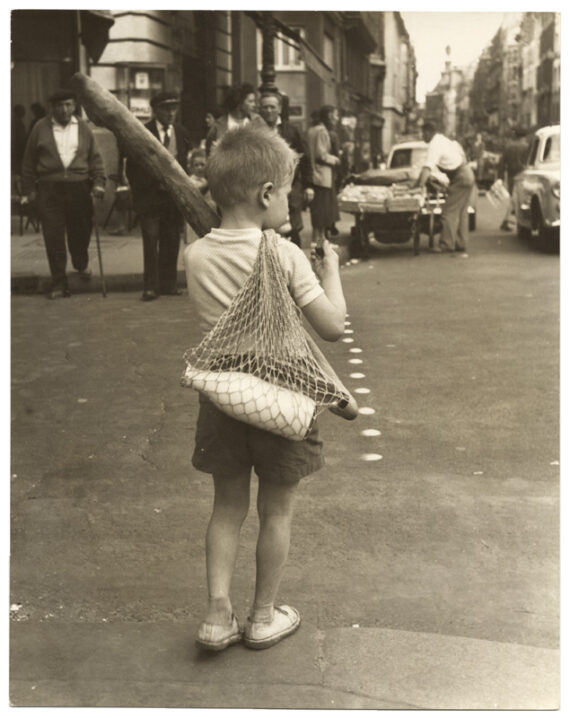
302, 193
160, 220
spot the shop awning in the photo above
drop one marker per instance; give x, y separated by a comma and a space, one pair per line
356, 29
95, 25
270, 26
315, 62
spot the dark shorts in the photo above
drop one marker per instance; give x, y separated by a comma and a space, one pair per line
225, 445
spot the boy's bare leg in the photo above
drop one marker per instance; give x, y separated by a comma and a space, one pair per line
231, 504
275, 503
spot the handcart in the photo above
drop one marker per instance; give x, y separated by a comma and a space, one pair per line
394, 214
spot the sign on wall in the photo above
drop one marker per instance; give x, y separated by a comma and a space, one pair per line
140, 106
141, 81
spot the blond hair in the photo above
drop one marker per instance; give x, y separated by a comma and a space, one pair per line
244, 159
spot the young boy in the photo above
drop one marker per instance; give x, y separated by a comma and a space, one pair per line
250, 173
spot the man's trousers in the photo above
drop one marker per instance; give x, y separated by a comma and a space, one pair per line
455, 215
161, 230
65, 208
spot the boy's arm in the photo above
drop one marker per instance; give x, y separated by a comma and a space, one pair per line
326, 313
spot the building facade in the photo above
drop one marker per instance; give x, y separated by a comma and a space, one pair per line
517, 81
399, 98
49, 46
445, 104
361, 62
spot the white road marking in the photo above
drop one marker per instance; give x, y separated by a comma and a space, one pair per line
371, 457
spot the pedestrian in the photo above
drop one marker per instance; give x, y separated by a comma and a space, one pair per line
62, 171
513, 160
323, 213
239, 110
447, 155
38, 112
196, 169
302, 193
252, 196
18, 139
209, 120
478, 156
160, 219
337, 175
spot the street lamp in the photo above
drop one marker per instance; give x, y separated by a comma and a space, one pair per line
268, 33
266, 23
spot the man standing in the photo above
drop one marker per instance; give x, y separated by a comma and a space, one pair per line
18, 139
160, 219
512, 162
61, 170
270, 107
478, 156
448, 156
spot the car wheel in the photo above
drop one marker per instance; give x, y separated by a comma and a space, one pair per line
523, 232
547, 238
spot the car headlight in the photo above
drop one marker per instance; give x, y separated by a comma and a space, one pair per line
556, 190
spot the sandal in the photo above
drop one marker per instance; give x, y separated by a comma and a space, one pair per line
214, 637
286, 620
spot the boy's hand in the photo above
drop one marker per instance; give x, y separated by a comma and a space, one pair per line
325, 261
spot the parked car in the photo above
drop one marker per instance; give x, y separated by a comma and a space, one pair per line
536, 191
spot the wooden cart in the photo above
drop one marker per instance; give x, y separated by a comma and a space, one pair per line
394, 220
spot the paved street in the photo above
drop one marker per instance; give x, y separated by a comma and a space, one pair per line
424, 558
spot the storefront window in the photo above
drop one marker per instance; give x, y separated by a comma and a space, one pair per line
144, 82
287, 57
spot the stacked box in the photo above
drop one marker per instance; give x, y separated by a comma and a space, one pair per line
404, 204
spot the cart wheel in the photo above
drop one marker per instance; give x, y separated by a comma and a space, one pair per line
363, 236
416, 236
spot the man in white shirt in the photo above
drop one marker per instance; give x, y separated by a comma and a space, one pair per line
62, 170
448, 156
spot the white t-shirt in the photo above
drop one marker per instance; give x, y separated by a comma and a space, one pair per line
443, 153
218, 264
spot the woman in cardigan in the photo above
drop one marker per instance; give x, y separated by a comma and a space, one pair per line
323, 207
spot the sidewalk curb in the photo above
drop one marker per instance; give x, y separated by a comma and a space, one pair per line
32, 283
128, 282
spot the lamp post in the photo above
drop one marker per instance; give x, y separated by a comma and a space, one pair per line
268, 26
268, 32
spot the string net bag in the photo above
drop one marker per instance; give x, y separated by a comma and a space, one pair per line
256, 364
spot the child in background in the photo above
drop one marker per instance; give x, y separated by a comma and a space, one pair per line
250, 173
196, 169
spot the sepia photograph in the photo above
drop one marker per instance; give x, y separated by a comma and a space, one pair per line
240, 238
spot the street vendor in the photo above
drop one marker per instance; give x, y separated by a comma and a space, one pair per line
448, 156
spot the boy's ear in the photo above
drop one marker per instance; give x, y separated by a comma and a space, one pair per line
265, 194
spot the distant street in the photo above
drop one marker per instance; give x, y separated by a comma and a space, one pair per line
424, 558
